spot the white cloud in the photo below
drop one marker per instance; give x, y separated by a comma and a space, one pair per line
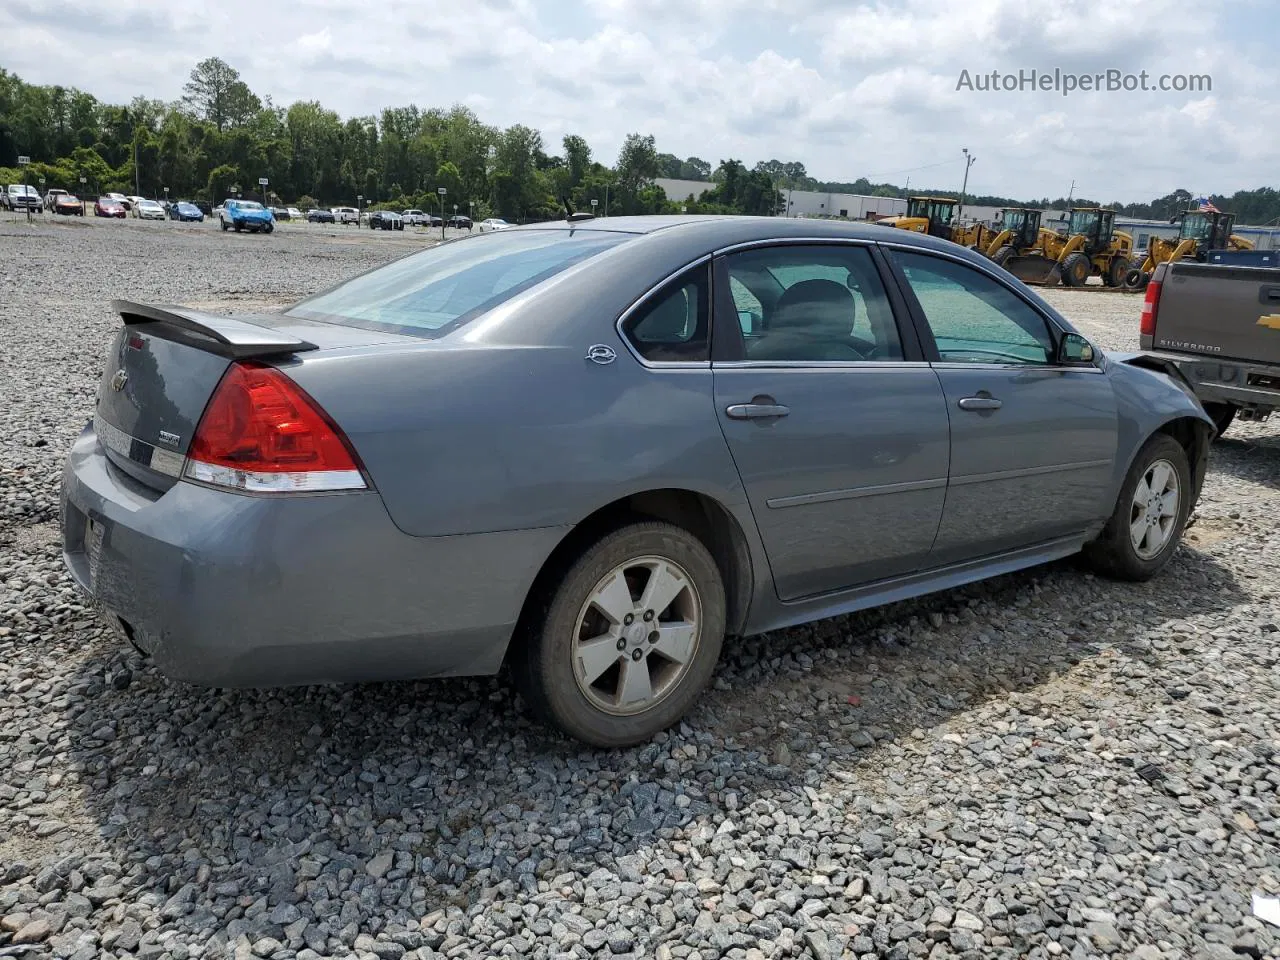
848, 88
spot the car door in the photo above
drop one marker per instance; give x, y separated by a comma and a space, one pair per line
837, 426
1033, 440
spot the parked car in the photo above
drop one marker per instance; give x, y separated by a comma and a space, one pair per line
294, 213
106, 207
133, 204
493, 224
183, 211
346, 215
881, 417
385, 220
1219, 326
149, 210
414, 218
320, 215
68, 205
246, 215
121, 199
280, 213
460, 222
20, 196
432, 220
50, 198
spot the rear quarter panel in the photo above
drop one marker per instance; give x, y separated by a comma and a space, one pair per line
505, 424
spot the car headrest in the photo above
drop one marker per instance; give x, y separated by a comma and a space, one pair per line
811, 303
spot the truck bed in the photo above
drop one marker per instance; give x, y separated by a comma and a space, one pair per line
1227, 312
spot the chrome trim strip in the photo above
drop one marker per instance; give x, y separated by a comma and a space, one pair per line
640, 301
828, 496
1028, 472
137, 451
791, 241
1048, 367
799, 365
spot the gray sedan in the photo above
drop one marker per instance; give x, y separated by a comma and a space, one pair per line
593, 450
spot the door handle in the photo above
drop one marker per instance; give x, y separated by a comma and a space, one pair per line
980, 403
756, 411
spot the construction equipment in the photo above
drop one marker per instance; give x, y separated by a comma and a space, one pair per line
1090, 246
1019, 234
1200, 232
936, 216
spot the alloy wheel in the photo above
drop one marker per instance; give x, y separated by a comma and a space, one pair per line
1153, 513
636, 635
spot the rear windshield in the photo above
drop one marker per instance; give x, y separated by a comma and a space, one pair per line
428, 293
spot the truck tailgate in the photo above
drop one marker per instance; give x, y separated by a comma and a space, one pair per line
1220, 311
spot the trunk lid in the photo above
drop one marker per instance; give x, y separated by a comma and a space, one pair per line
166, 362
1219, 311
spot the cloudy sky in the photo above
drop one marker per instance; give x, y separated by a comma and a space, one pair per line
846, 87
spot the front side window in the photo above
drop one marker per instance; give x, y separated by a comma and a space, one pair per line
426, 293
973, 318
674, 323
812, 303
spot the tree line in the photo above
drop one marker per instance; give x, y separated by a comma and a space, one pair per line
221, 134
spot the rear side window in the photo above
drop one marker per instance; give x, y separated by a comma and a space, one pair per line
429, 293
673, 324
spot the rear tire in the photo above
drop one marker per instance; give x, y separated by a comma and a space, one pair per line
593, 661
1116, 272
1222, 415
1076, 269
1001, 255
1146, 525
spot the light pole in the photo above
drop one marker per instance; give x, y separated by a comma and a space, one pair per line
606, 199
262, 182
471, 214
23, 163
594, 203
82, 182
968, 162
166, 201
441, 191
42, 189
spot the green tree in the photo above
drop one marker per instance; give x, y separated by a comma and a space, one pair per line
216, 93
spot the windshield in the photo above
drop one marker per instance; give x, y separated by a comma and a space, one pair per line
148, 204
19, 190
426, 293
1196, 226
248, 205
1082, 221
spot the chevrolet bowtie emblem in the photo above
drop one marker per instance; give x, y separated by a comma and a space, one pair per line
1271, 320
119, 380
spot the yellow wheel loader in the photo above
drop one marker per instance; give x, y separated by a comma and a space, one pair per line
1090, 246
936, 216
1200, 232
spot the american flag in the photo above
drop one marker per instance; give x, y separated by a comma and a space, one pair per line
1206, 206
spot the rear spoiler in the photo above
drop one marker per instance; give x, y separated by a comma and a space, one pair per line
222, 335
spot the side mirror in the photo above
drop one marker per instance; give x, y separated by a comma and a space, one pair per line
1075, 349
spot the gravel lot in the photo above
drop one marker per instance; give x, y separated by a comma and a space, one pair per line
1044, 765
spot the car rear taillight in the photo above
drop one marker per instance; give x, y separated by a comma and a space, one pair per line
1150, 306
261, 433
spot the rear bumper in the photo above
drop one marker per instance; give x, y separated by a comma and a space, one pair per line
1222, 380
236, 591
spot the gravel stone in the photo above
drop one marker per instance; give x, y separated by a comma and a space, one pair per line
1049, 764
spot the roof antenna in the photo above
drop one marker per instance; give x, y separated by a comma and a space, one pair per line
570, 214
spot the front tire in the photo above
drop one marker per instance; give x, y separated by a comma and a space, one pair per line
1150, 514
1076, 269
620, 648
224, 225
1117, 270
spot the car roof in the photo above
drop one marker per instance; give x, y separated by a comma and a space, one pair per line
720, 230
